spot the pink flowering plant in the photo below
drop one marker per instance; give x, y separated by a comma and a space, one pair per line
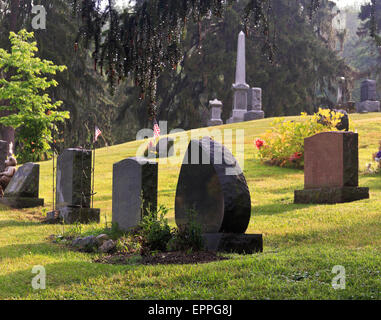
284, 145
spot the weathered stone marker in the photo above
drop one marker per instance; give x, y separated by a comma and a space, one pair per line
212, 186
4, 149
368, 101
134, 190
73, 195
215, 113
254, 108
164, 148
331, 169
22, 191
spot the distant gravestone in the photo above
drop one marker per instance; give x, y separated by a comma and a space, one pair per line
212, 186
4, 149
240, 87
369, 90
22, 191
134, 191
73, 180
215, 113
368, 101
164, 148
254, 109
331, 169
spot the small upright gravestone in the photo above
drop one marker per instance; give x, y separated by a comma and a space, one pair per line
22, 190
368, 101
212, 186
134, 190
331, 169
73, 194
4, 149
254, 108
215, 113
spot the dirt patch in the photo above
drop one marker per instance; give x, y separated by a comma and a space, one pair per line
183, 258
163, 258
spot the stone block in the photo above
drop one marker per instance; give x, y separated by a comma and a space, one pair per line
233, 243
331, 195
212, 184
74, 178
134, 191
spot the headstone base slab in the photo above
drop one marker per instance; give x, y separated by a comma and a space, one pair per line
233, 242
254, 115
330, 195
234, 120
368, 106
213, 123
71, 215
22, 202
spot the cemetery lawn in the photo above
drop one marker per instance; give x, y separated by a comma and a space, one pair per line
302, 243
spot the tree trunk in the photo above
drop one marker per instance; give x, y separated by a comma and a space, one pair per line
8, 133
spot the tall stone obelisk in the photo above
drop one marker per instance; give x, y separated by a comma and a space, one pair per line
240, 87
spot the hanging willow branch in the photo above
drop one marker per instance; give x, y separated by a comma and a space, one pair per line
144, 42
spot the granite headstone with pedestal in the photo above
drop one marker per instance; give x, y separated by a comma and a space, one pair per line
73, 194
368, 101
212, 186
331, 169
22, 191
134, 191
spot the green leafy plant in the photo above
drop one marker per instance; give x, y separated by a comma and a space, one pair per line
23, 80
187, 237
284, 145
155, 230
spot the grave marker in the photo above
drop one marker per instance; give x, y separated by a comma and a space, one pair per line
134, 190
331, 169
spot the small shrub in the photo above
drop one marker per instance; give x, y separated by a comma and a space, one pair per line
187, 237
154, 230
284, 145
129, 244
74, 231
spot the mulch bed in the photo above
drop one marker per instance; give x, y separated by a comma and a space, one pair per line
165, 258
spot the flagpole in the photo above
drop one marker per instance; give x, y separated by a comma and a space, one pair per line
93, 183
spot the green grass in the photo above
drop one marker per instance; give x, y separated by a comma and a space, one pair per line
302, 243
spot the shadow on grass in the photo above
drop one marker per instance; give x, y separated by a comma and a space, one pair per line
278, 208
18, 284
17, 223
355, 235
20, 250
254, 169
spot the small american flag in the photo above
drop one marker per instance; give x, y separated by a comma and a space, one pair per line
156, 133
98, 132
156, 129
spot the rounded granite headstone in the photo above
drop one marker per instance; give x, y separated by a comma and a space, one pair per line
212, 185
